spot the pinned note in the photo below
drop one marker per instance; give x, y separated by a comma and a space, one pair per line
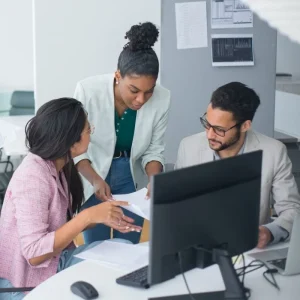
191, 25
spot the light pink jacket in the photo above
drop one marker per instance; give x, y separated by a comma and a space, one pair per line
35, 206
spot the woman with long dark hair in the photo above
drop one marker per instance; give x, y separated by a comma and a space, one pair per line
40, 216
130, 111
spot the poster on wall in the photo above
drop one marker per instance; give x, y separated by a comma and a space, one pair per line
230, 14
232, 50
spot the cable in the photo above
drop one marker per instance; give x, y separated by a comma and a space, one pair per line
181, 270
243, 279
250, 265
240, 271
237, 258
274, 283
247, 272
256, 267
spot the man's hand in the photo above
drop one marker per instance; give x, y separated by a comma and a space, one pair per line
264, 238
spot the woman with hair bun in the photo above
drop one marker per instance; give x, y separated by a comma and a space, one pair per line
130, 112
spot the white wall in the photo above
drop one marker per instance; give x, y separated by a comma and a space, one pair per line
288, 55
287, 108
16, 45
75, 39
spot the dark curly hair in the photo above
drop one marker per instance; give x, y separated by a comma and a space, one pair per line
138, 56
238, 99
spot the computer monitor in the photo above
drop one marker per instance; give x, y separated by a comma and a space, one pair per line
206, 214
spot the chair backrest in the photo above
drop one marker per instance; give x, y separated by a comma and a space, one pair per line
22, 103
6, 172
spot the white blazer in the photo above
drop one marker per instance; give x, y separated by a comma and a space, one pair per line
277, 179
97, 95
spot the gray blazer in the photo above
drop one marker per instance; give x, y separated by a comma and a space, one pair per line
278, 182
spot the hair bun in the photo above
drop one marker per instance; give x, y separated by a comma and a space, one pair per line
142, 36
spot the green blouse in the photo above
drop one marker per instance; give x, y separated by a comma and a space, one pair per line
124, 126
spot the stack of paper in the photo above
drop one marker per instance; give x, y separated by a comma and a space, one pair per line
138, 203
117, 255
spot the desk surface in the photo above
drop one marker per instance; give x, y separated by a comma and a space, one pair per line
12, 130
103, 279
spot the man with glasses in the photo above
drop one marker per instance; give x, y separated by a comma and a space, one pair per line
227, 123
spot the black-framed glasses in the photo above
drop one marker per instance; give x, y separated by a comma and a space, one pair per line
217, 130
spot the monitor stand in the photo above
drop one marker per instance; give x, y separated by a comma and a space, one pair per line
234, 289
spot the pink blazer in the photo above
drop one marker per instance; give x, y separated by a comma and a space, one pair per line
35, 206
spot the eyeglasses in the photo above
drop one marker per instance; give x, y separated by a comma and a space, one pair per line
219, 131
90, 130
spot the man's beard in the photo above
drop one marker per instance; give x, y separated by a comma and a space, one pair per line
228, 144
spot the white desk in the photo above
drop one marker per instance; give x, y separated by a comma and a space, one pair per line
12, 131
103, 279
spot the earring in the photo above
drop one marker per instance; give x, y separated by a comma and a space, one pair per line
117, 82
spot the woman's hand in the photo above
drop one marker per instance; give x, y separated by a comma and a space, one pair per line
148, 192
102, 190
110, 214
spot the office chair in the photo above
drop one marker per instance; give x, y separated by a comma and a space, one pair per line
22, 103
5, 177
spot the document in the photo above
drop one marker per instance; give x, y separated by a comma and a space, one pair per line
230, 14
138, 204
117, 255
191, 25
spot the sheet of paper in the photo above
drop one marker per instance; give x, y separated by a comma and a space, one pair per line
118, 256
230, 14
138, 204
232, 50
191, 25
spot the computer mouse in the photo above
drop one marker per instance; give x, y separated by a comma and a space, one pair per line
84, 290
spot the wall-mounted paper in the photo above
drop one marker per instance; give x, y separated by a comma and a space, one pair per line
230, 14
191, 25
232, 50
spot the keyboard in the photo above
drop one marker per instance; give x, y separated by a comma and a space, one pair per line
137, 278
279, 263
